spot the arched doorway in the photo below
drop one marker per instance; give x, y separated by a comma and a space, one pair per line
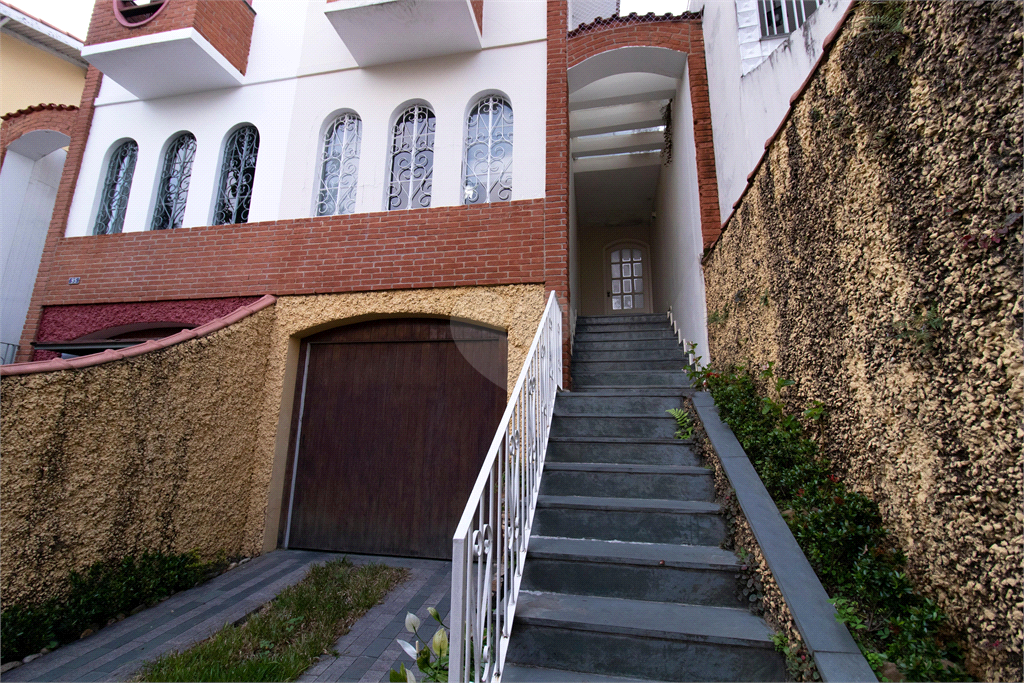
392, 420
627, 273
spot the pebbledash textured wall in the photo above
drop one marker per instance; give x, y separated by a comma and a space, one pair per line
876, 258
177, 449
152, 452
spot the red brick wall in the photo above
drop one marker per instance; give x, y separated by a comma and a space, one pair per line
441, 247
61, 207
52, 117
227, 24
684, 35
556, 202
478, 10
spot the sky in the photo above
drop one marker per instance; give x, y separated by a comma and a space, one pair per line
72, 16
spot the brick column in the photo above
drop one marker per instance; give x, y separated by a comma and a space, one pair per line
556, 205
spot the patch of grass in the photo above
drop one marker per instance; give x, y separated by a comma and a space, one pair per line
106, 590
284, 638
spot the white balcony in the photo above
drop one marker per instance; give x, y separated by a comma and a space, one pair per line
387, 31
163, 64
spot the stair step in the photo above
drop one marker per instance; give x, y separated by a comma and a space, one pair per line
613, 480
614, 319
595, 366
630, 378
659, 572
630, 519
628, 355
608, 335
600, 344
512, 673
590, 424
575, 449
655, 640
572, 403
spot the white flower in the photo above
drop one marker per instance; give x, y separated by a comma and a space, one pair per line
440, 642
412, 622
409, 649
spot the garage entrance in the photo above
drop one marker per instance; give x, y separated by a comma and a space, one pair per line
391, 423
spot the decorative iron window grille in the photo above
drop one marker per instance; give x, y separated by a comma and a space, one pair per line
114, 199
236, 177
412, 159
487, 173
779, 17
132, 13
174, 181
339, 172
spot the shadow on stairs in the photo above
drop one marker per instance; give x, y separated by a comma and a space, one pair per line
624, 578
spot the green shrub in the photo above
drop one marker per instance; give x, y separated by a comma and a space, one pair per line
90, 599
840, 531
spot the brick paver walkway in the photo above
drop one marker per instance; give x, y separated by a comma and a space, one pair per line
366, 653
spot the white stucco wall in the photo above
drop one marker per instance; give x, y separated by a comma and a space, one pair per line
746, 109
299, 74
676, 243
28, 189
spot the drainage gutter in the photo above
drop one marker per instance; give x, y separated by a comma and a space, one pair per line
835, 653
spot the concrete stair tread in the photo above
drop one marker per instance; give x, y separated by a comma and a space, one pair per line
628, 504
517, 673
617, 416
663, 620
619, 439
625, 468
619, 392
652, 317
625, 552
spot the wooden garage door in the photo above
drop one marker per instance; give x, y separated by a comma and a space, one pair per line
393, 419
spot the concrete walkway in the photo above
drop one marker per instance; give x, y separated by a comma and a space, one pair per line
366, 653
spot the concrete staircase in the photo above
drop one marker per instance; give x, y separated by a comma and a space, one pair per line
625, 578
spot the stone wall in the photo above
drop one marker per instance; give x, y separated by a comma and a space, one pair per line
876, 258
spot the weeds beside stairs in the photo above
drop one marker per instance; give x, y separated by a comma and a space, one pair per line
625, 578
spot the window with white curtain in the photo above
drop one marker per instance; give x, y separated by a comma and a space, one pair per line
174, 181
339, 166
487, 171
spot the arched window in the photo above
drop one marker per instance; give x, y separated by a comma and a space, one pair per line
487, 173
339, 171
174, 180
236, 176
114, 200
412, 159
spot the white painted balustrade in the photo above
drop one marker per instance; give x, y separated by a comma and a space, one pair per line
489, 546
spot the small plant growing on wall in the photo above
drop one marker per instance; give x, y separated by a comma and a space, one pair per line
922, 329
718, 317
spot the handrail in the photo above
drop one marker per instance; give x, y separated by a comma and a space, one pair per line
489, 546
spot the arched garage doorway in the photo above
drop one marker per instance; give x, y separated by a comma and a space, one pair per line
391, 423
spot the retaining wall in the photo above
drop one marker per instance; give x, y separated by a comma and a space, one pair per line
875, 256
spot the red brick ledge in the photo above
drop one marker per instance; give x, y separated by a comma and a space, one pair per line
633, 18
109, 355
826, 48
38, 107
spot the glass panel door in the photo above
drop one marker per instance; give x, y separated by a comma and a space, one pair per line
627, 280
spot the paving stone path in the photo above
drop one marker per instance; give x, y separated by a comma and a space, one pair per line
366, 653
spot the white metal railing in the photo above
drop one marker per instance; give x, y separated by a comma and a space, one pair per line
779, 17
489, 546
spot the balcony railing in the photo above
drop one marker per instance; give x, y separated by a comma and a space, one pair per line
779, 17
489, 547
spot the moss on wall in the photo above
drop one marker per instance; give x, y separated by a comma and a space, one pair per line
876, 258
175, 449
